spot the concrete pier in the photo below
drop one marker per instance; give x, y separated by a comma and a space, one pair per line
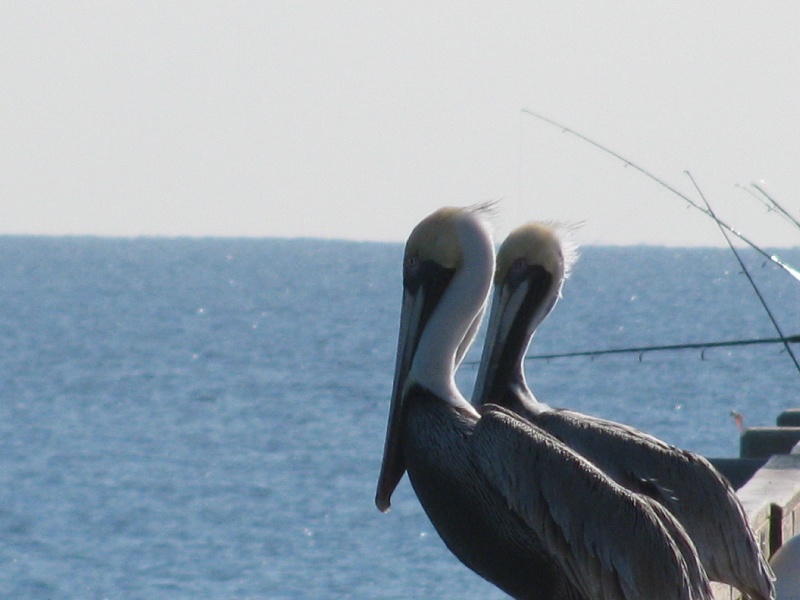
762, 442
771, 498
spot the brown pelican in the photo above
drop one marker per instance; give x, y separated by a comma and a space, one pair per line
511, 502
531, 267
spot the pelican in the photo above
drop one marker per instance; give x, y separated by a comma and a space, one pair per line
511, 502
532, 265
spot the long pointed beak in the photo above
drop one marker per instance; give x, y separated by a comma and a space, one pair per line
470, 335
393, 466
506, 305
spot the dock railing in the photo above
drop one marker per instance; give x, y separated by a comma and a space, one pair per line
767, 481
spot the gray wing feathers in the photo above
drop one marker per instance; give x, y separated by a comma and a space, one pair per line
685, 483
682, 540
730, 547
606, 539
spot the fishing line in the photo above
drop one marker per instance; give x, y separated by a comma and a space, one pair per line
793, 272
746, 272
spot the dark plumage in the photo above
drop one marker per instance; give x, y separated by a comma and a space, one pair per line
509, 500
531, 268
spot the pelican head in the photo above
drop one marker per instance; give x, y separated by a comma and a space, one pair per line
532, 264
447, 271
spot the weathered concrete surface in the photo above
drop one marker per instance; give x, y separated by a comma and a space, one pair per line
771, 499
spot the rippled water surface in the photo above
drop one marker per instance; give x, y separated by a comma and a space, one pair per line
205, 418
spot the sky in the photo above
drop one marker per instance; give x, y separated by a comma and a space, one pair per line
354, 120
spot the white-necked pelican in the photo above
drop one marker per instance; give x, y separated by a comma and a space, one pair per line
531, 267
510, 501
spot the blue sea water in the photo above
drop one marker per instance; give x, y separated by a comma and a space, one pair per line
204, 418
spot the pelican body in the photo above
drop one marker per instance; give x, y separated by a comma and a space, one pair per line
509, 500
532, 265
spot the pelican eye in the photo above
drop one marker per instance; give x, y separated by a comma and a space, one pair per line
412, 271
517, 271
411, 264
519, 264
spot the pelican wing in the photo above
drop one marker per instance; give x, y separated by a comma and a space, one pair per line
608, 445
715, 517
610, 542
682, 481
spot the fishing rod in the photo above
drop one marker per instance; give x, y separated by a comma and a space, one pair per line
757, 198
774, 203
768, 203
774, 258
746, 272
794, 339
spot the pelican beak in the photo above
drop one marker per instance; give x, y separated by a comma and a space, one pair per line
393, 466
422, 290
519, 305
469, 337
506, 305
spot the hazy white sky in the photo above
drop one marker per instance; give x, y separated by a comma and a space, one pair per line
356, 119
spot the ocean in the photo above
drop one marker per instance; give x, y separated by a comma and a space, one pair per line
204, 418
